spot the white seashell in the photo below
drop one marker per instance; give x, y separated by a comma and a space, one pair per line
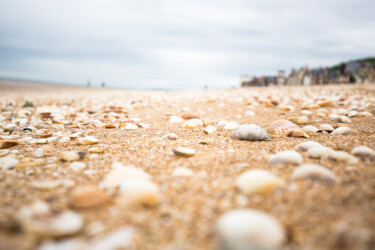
326, 127
306, 112
139, 191
118, 239
39, 153
183, 172
170, 136
365, 114
318, 152
342, 112
192, 123
121, 173
144, 125
130, 126
175, 119
299, 120
287, 157
65, 139
249, 229
258, 181
186, 152
209, 129
46, 185
341, 156
364, 152
304, 146
251, 132
249, 113
71, 156
77, 166
342, 131
310, 129
231, 125
315, 172
88, 140
353, 113
7, 163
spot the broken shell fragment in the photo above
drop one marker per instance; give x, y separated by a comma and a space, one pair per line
249, 229
4, 152
231, 125
286, 157
186, 152
251, 132
315, 172
299, 119
175, 119
88, 140
258, 181
364, 152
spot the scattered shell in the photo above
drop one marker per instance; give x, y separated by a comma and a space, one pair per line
130, 126
318, 152
285, 127
110, 126
44, 134
299, 119
231, 125
64, 139
287, 157
304, 146
327, 103
118, 239
170, 136
353, 113
209, 129
310, 129
77, 166
8, 144
175, 119
343, 131
249, 229
46, 185
315, 172
341, 156
72, 156
121, 173
192, 123
251, 132
7, 163
138, 191
326, 127
88, 140
190, 115
39, 153
339, 118
89, 196
297, 133
364, 152
4, 152
183, 172
365, 114
258, 181
186, 152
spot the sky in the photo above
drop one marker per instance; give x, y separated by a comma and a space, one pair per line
172, 44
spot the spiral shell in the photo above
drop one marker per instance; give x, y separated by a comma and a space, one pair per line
288, 128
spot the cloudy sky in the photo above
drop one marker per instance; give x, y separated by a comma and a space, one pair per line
177, 44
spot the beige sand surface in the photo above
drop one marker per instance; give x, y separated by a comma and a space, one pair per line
315, 215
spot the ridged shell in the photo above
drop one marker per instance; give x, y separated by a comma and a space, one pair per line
283, 127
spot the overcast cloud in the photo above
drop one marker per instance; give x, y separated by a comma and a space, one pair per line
178, 44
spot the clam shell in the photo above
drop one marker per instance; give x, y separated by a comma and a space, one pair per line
299, 119
8, 144
285, 127
186, 152
287, 157
341, 156
209, 129
249, 229
343, 131
310, 129
138, 191
251, 132
258, 181
363, 152
121, 173
192, 123
318, 152
326, 127
304, 146
8, 162
88, 140
315, 172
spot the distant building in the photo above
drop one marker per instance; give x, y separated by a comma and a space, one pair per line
281, 78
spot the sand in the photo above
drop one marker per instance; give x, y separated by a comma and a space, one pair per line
315, 215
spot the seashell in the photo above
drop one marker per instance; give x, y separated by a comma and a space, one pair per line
130, 126
341, 156
88, 140
45, 114
39, 153
72, 156
53, 225
251, 132
342, 111
8, 144
77, 166
283, 127
231, 125
192, 123
207, 122
41, 141
315, 172
327, 103
121, 173
64, 139
10, 127
297, 133
326, 127
185, 152
183, 172
209, 129
249, 229
353, 113
46, 185
144, 125
269, 104
110, 126
190, 115
136, 192
44, 134
286, 157
363, 152
175, 119
88, 197
170, 136
249, 113
318, 152
4, 152
304, 146
258, 181
306, 112
96, 150
203, 142
339, 118
121, 238
7, 163
299, 119
365, 114
310, 129
343, 131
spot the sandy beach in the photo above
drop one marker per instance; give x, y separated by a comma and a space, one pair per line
130, 128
